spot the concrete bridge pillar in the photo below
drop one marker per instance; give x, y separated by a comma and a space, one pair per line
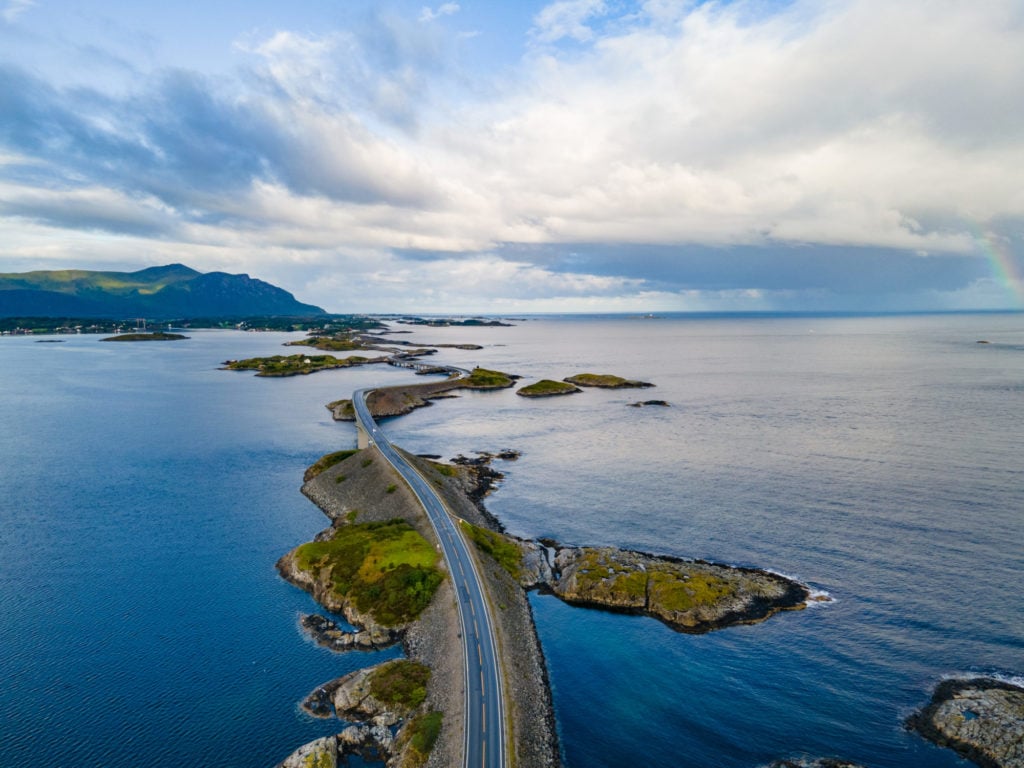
362, 438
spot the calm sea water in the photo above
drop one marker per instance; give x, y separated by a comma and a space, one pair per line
146, 496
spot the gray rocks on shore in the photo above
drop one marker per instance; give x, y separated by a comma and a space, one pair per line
816, 762
328, 634
981, 718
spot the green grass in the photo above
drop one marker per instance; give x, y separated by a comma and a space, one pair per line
326, 462
391, 488
423, 731
341, 478
366, 462
505, 552
400, 683
445, 469
546, 387
675, 594
481, 377
386, 569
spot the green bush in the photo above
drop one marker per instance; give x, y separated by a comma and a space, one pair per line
385, 569
401, 683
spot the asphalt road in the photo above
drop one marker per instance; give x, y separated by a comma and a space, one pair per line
485, 717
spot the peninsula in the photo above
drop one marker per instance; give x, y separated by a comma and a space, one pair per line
379, 565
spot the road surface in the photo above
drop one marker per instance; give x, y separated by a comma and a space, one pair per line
485, 717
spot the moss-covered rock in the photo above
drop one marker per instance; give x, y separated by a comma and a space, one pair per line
547, 388
689, 596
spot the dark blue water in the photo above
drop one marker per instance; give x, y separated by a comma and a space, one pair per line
145, 499
146, 496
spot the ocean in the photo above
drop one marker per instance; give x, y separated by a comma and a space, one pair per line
147, 495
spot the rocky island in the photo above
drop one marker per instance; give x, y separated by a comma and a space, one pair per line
980, 718
296, 365
688, 595
606, 381
154, 336
547, 388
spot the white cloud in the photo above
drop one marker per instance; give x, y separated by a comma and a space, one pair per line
445, 9
567, 18
14, 9
853, 123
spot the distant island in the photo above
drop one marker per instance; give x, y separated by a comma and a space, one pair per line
154, 336
547, 388
606, 381
171, 291
445, 322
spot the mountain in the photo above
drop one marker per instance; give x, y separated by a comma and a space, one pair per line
172, 291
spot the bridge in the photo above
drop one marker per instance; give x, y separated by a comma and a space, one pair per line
485, 737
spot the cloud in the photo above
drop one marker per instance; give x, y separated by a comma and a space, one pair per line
567, 18
680, 152
428, 14
14, 9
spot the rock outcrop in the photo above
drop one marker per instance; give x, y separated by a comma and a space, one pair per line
816, 762
329, 635
688, 595
981, 718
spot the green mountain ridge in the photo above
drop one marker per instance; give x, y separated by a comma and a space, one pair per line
170, 291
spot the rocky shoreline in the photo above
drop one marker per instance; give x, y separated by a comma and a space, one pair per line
981, 718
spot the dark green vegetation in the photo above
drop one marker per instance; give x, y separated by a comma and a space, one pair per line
292, 365
157, 292
422, 732
481, 378
155, 336
327, 461
400, 684
605, 381
547, 388
385, 569
505, 552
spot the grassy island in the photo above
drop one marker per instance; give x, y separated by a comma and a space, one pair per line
547, 388
155, 336
293, 365
687, 595
605, 381
385, 569
337, 343
481, 378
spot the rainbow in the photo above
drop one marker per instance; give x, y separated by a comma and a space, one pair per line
1004, 267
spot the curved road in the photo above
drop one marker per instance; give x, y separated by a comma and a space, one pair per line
485, 716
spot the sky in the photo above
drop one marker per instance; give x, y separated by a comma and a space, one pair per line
516, 157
